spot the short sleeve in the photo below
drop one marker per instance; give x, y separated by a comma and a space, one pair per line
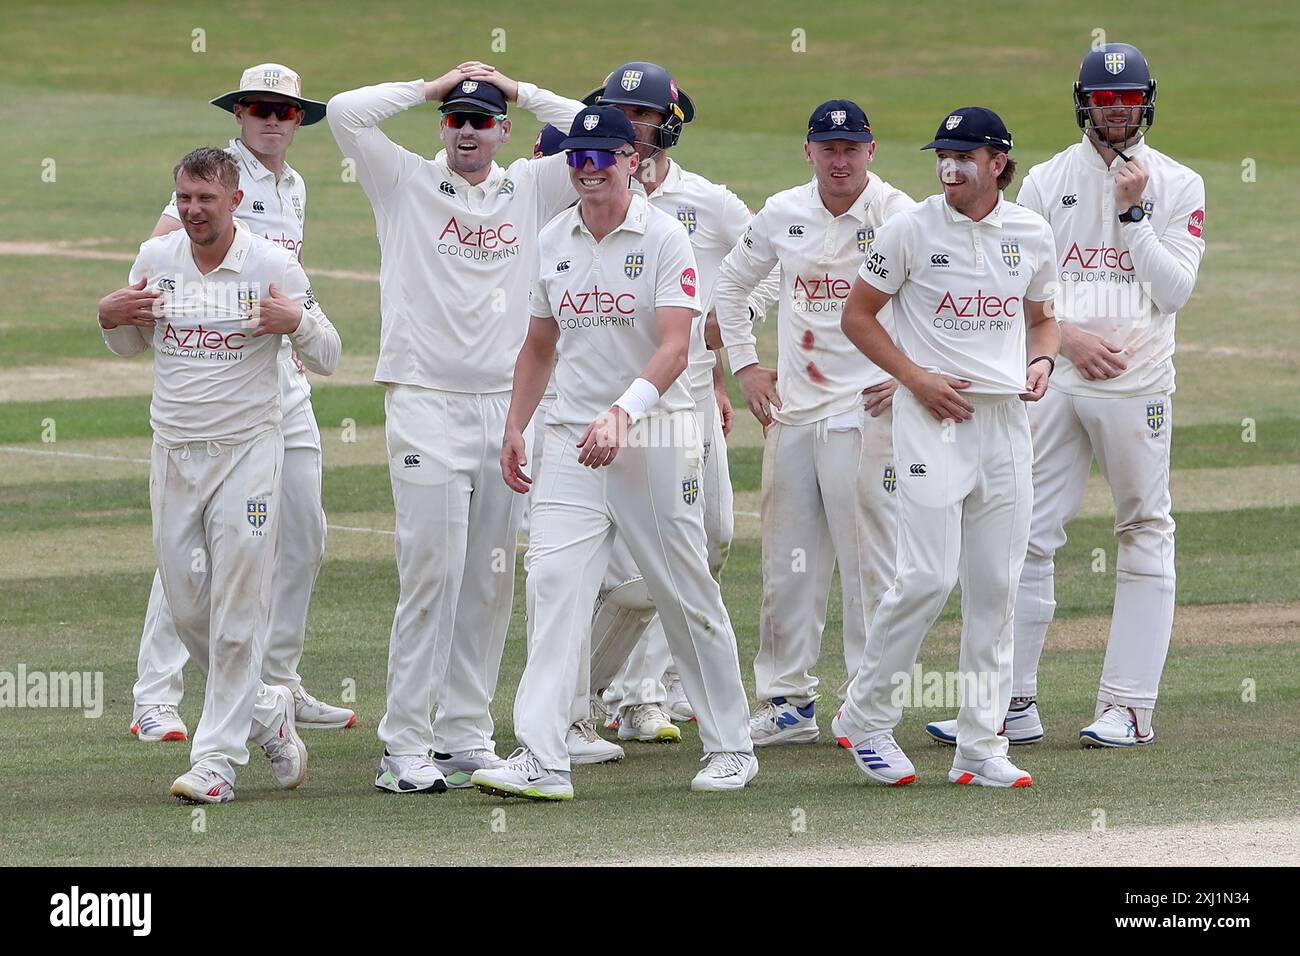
886, 264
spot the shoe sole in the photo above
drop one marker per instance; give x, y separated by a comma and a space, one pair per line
172, 736
1088, 740
778, 740
724, 789
186, 796
965, 778
665, 735
594, 761
330, 725
952, 741
529, 794
439, 787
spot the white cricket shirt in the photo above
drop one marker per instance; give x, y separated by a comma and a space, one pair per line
820, 373
714, 218
958, 288
457, 261
213, 381
1122, 281
603, 296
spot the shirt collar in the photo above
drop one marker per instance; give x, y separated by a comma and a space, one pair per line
859, 208
634, 221
255, 167
237, 254
1093, 158
994, 218
672, 180
493, 181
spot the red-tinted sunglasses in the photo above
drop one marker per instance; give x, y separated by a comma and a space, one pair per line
476, 120
1109, 98
263, 109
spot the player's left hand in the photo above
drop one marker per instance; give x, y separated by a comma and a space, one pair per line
1036, 381
724, 409
474, 70
297, 363
1130, 180
603, 438
277, 314
879, 398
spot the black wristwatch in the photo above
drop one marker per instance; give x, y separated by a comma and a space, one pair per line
1133, 214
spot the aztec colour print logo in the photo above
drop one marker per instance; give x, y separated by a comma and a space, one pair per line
634, 264
1114, 63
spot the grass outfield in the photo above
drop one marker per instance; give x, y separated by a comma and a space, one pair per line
75, 555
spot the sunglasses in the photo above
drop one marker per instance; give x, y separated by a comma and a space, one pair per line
476, 120
600, 158
1108, 98
263, 109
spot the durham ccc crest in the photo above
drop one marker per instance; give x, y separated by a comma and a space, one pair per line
838, 117
634, 264
1155, 417
631, 79
248, 296
257, 512
690, 489
865, 237
1011, 253
686, 216
891, 479
1114, 63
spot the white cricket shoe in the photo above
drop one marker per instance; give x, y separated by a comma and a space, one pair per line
160, 723
1022, 726
725, 770
1116, 727
313, 714
648, 723
877, 755
409, 773
522, 776
458, 768
285, 749
993, 772
201, 785
777, 721
676, 705
588, 747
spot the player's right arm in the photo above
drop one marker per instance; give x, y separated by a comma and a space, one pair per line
741, 272
354, 119
126, 317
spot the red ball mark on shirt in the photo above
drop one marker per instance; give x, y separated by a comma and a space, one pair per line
815, 373
807, 340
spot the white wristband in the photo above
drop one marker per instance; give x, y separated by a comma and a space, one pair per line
639, 398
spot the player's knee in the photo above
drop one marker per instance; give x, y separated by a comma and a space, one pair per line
926, 586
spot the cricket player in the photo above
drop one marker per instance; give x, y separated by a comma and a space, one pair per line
269, 106
225, 299
970, 276
457, 240
618, 292
827, 464
1129, 224
646, 694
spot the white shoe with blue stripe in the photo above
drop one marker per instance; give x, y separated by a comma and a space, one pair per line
1118, 726
777, 721
877, 755
1022, 726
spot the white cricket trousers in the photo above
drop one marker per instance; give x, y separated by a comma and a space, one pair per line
964, 500
826, 500
649, 496
457, 525
300, 548
641, 681
215, 519
1130, 439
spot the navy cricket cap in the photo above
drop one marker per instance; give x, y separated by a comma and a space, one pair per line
839, 119
474, 96
548, 140
600, 127
970, 128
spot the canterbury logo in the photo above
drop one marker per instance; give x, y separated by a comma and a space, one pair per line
939, 260
918, 470
411, 461
796, 230
1069, 200
447, 189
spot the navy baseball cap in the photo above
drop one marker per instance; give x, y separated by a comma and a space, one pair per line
474, 96
839, 119
970, 128
600, 127
548, 140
